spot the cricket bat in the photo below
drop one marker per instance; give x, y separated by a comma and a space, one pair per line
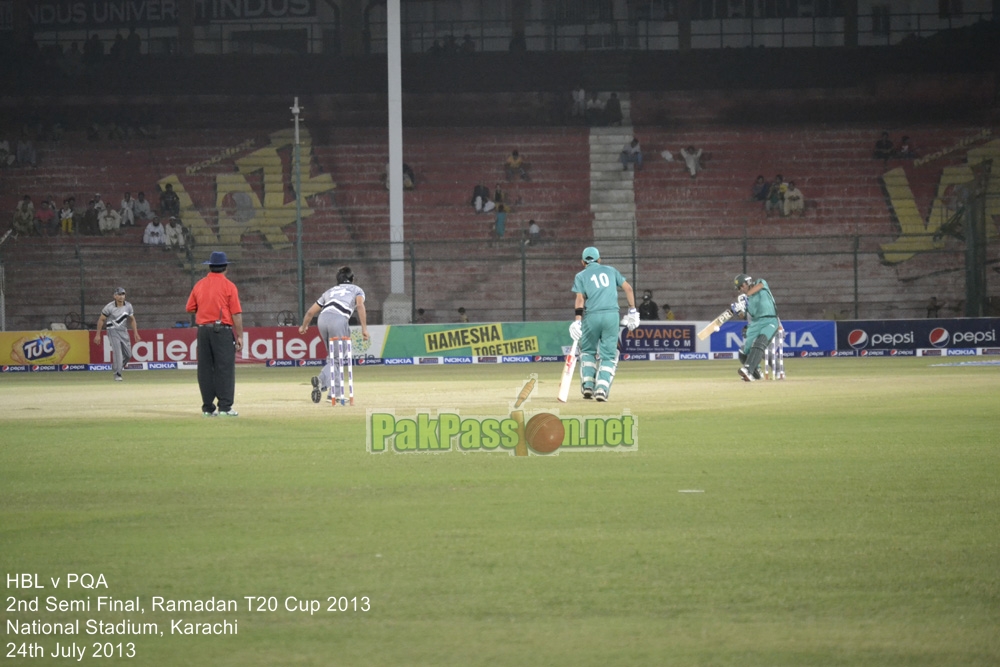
567, 376
715, 324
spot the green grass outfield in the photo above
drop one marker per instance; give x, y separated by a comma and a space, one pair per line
849, 515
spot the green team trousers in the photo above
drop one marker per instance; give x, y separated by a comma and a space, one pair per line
599, 337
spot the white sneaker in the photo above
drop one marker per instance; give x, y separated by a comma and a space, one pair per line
118, 377
745, 374
600, 395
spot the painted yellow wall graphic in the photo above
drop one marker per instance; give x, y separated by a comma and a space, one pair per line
916, 233
241, 210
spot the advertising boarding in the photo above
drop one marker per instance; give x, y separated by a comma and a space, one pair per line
905, 337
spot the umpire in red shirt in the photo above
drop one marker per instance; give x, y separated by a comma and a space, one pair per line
216, 303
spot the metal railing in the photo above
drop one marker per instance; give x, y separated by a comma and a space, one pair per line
310, 36
506, 280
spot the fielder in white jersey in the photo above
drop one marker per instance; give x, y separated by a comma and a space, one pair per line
335, 308
119, 317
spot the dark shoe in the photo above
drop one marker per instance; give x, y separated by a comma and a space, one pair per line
316, 395
588, 392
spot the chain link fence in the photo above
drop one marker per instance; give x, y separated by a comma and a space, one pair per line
67, 283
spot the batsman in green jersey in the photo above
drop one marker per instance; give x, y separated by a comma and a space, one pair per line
596, 323
756, 300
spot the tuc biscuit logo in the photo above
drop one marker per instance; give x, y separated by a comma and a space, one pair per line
39, 348
519, 433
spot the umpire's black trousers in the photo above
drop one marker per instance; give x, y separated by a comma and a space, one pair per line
216, 366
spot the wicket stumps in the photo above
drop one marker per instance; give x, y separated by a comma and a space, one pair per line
774, 357
341, 355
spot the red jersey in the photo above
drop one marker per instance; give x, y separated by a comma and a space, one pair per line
214, 297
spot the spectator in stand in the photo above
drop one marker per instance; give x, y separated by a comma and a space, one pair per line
481, 199
594, 111
48, 221
518, 43
133, 45
93, 50
462, 317
175, 235
692, 160
758, 191
409, 178
647, 309
631, 154
109, 221
498, 195
170, 203
98, 202
534, 232
933, 307
66, 216
7, 158
26, 156
668, 314
500, 222
24, 218
613, 111
128, 210
515, 165
90, 224
883, 148
155, 234
775, 195
117, 50
905, 150
579, 107
142, 208
795, 201
422, 317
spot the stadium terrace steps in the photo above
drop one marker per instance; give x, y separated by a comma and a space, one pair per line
672, 213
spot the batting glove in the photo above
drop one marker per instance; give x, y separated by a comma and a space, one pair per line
739, 306
576, 330
632, 319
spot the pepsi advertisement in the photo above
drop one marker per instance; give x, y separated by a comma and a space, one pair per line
865, 337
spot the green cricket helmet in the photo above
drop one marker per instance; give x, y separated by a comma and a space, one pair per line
740, 280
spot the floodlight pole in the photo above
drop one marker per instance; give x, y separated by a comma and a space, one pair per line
296, 109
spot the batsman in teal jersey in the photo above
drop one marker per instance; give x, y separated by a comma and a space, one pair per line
755, 299
596, 324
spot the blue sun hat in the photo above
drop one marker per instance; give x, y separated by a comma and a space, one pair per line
218, 258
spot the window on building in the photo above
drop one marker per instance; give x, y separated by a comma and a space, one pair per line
880, 19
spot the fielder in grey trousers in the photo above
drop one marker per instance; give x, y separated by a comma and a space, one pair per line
119, 318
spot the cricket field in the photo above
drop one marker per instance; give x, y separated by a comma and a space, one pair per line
846, 516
